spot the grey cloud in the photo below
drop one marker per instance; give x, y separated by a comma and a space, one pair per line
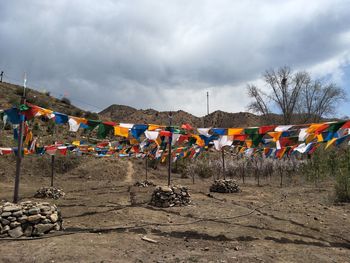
141, 52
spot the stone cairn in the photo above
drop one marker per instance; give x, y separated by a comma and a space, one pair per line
225, 186
49, 192
28, 219
164, 196
144, 184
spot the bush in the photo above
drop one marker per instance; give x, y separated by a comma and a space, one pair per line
65, 101
14, 100
342, 185
78, 113
91, 115
202, 168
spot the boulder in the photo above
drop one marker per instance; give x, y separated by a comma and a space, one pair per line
16, 232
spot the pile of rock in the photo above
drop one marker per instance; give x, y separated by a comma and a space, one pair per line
225, 186
28, 219
49, 192
164, 196
144, 184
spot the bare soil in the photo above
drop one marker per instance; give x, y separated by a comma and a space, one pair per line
105, 219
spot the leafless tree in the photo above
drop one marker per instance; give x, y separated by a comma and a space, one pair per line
319, 100
294, 93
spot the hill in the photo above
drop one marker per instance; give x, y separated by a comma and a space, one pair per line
10, 95
122, 113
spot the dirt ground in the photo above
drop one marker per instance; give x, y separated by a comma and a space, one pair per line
296, 223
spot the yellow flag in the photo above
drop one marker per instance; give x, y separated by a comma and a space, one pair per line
121, 131
234, 131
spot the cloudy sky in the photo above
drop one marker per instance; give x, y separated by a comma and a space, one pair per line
167, 54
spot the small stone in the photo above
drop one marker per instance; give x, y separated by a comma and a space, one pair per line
16, 232
6, 214
34, 211
11, 208
54, 218
11, 218
15, 224
46, 221
40, 229
17, 213
206, 249
34, 218
28, 231
22, 219
57, 227
4, 221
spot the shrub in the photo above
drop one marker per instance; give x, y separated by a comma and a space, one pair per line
342, 185
78, 113
14, 100
91, 115
65, 101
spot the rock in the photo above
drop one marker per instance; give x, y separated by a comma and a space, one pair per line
4, 221
166, 189
34, 211
57, 227
225, 186
54, 218
6, 214
16, 232
144, 184
15, 224
22, 219
49, 192
17, 213
28, 231
11, 208
34, 218
40, 229
164, 196
11, 218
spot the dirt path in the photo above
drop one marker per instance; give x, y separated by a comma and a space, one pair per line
129, 173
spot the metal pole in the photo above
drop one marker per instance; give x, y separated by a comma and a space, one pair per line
20, 146
207, 102
223, 162
169, 149
52, 168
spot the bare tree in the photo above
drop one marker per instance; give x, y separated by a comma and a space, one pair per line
294, 93
319, 100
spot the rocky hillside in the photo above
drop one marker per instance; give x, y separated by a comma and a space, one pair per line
122, 113
10, 94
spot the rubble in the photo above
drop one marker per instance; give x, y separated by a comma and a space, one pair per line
164, 196
144, 184
29, 219
225, 186
49, 192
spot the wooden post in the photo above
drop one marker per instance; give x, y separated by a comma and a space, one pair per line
169, 149
52, 168
223, 162
146, 167
20, 147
